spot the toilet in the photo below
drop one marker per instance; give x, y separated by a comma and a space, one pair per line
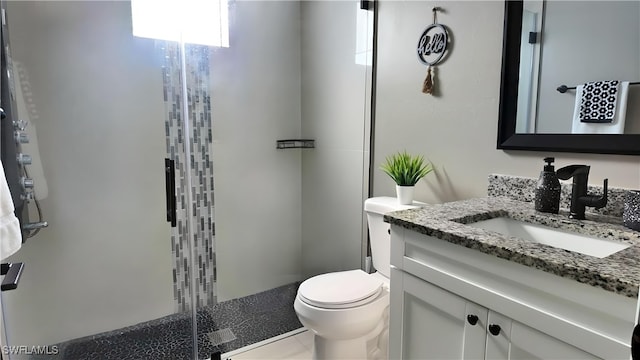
348, 311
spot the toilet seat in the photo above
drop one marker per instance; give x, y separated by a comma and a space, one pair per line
340, 290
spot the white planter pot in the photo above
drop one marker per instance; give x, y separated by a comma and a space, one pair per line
404, 194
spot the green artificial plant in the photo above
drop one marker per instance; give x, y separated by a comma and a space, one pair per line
405, 169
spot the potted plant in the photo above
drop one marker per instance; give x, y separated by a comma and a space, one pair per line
406, 170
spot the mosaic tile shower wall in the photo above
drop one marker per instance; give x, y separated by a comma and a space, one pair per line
200, 141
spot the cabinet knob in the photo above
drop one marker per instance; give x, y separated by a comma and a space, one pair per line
472, 319
494, 329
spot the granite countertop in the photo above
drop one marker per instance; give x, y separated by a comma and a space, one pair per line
619, 272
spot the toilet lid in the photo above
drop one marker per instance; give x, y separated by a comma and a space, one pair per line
340, 289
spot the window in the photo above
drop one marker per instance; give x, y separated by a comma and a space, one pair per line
364, 36
204, 22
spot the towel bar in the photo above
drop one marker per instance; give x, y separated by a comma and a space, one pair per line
563, 88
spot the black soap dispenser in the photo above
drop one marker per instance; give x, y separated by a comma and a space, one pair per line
547, 197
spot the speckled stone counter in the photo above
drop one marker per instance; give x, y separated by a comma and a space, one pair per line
523, 189
619, 272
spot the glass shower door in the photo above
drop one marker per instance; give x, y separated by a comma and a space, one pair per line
109, 278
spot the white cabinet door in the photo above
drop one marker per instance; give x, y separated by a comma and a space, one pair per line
498, 336
434, 322
474, 332
529, 344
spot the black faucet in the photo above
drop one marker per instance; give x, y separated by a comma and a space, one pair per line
579, 197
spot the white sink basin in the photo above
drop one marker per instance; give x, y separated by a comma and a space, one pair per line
562, 239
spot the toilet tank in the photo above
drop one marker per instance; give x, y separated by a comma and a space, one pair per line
379, 230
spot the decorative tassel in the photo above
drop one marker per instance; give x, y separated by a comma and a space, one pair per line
427, 86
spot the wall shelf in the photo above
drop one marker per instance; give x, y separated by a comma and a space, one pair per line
296, 144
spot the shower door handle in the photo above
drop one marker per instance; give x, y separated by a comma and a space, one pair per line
170, 181
12, 273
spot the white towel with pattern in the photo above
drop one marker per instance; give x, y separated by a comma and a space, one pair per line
616, 126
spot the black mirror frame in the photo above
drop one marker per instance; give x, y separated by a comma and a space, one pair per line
508, 139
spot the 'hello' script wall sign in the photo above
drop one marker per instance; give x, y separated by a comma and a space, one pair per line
432, 46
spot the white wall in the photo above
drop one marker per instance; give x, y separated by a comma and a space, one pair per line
457, 130
105, 260
256, 101
334, 113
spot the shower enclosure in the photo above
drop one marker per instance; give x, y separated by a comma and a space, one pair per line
177, 228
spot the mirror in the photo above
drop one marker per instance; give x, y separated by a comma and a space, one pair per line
567, 50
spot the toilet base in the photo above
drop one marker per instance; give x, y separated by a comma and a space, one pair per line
324, 349
369, 347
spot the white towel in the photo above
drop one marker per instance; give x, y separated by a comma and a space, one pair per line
614, 127
10, 235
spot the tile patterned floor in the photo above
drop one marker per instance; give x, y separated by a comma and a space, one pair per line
241, 322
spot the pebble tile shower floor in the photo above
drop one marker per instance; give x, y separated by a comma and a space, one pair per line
225, 327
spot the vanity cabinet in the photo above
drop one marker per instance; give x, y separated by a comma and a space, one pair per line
437, 324
451, 302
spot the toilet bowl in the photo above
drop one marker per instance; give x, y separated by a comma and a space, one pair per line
348, 311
